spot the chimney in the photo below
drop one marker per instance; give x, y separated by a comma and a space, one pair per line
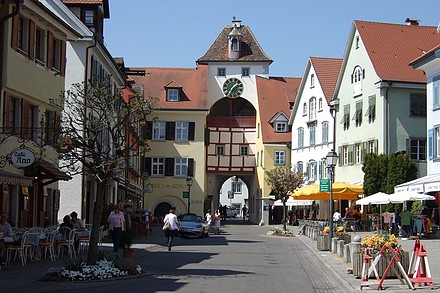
412, 21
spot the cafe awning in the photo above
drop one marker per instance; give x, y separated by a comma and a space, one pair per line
341, 191
423, 184
14, 179
43, 169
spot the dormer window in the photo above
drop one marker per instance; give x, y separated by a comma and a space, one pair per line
312, 80
173, 95
89, 18
280, 127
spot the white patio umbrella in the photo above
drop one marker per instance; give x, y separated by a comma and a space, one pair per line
407, 195
379, 198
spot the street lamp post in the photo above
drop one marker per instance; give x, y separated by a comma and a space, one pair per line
189, 183
331, 159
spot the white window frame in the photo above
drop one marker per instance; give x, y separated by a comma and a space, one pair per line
358, 153
173, 95
221, 71
372, 147
345, 155
312, 170
436, 93
180, 167
181, 131
245, 71
437, 142
418, 147
312, 135
158, 166
159, 130
305, 109
312, 80
280, 157
236, 187
320, 104
312, 108
357, 81
280, 126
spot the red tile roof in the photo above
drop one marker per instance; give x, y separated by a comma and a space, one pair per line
391, 47
327, 71
250, 48
194, 83
82, 1
274, 96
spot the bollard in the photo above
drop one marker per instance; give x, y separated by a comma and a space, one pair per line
334, 244
355, 246
314, 234
347, 255
340, 248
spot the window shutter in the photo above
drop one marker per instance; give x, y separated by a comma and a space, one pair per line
14, 40
306, 177
50, 50
6, 112
170, 130
147, 165
350, 154
315, 167
25, 131
320, 170
340, 156
207, 136
31, 52
191, 130
363, 73
352, 78
169, 166
364, 150
431, 143
376, 146
408, 148
191, 167
63, 58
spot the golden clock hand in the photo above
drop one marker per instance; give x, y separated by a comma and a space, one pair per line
232, 88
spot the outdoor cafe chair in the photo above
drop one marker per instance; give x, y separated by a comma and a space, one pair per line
48, 244
83, 239
19, 249
66, 241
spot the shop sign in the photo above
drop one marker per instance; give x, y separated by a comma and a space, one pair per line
22, 157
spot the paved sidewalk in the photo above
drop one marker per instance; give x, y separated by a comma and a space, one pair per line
432, 247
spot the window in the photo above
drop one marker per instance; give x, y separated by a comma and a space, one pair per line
261, 158
312, 80
23, 34
172, 95
40, 47
30, 121
324, 169
280, 127
357, 42
12, 114
417, 149
158, 166
180, 167
236, 186
357, 153
89, 18
372, 146
54, 53
346, 117
345, 155
434, 143
181, 130
305, 109
220, 150
357, 117
320, 104
159, 130
418, 105
312, 108
244, 151
356, 79
371, 111
325, 132
280, 157
245, 71
436, 93
300, 167
221, 71
312, 171
312, 133
300, 137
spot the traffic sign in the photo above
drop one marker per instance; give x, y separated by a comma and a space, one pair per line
186, 194
324, 185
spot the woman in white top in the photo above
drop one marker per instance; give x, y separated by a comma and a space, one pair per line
171, 218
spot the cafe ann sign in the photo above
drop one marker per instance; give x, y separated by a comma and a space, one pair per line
22, 157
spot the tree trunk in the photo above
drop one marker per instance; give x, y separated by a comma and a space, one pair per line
284, 216
97, 212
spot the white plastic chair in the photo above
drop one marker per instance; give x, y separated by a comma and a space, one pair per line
19, 249
67, 241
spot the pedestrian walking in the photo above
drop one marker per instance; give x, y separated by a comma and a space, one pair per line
116, 223
244, 210
217, 223
173, 228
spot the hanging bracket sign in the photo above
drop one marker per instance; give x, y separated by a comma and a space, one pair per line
22, 157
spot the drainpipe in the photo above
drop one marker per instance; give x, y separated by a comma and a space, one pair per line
2, 37
387, 119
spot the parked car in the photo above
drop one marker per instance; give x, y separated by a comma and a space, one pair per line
192, 225
232, 212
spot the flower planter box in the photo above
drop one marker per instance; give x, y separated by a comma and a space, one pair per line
358, 260
322, 242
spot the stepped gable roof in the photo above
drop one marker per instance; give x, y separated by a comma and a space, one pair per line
251, 50
275, 94
193, 83
327, 71
391, 47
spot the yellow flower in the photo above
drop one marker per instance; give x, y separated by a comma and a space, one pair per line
326, 229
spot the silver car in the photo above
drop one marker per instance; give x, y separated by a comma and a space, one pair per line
193, 225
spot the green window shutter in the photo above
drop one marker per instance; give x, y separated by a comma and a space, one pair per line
376, 146
340, 156
431, 144
364, 150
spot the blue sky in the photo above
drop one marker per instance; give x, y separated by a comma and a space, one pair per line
175, 33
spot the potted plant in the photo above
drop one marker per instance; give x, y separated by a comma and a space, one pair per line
127, 240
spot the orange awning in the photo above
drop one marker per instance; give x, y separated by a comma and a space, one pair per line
341, 191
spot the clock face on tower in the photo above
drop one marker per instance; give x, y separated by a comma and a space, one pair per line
233, 88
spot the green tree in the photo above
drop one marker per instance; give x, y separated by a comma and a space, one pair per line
97, 136
282, 181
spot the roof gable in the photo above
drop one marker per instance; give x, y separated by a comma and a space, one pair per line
251, 50
391, 47
327, 71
